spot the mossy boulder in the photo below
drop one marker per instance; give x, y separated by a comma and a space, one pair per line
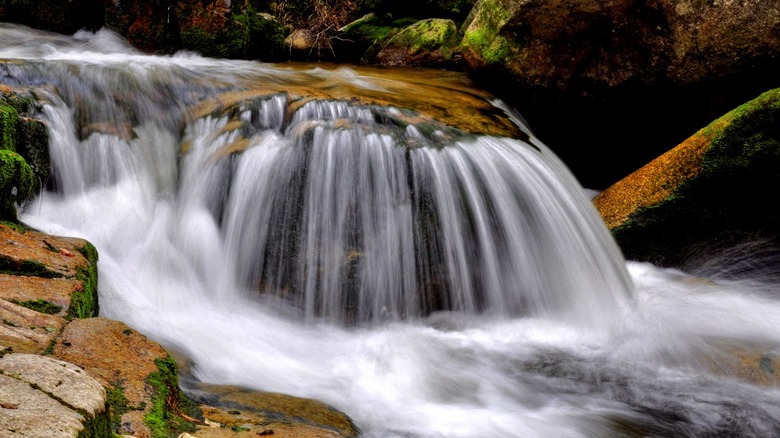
16, 183
714, 190
362, 39
426, 43
23, 131
597, 72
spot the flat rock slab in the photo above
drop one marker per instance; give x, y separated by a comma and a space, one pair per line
44, 397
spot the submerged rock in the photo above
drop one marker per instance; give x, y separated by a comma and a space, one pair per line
229, 410
712, 191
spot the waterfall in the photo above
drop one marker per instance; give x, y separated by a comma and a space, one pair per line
344, 210
316, 231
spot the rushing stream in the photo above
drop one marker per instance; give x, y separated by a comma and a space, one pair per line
287, 235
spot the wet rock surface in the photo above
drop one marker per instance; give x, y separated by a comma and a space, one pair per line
66, 373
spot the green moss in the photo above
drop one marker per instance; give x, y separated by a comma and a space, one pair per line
30, 268
16, 183
40, 305
493, 49
16, 226
727, 203
118, 403
168, 401
372, 29
84, 303
8, 120
98, 427
431, 34
50, 348
483, 35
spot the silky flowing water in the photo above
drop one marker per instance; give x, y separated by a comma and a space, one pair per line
341, 234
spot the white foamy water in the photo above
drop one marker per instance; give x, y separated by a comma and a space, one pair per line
426, 282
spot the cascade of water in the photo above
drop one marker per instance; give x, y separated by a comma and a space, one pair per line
348, 211
203, 183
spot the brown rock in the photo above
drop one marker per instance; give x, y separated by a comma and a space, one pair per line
261, 413
118, 357
627, 78
44, 280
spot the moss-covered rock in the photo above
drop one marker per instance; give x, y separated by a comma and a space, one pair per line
597, 72
362, 39
22, 131
16, 183
713, 190
140, 376
430, 43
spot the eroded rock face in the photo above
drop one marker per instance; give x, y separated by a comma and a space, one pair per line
713, 191
627, 78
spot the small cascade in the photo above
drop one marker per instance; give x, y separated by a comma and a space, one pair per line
406, 251
348, 211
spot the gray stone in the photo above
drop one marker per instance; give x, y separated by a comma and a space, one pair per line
27, 412
60, 380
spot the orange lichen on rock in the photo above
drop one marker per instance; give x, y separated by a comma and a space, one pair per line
657, 180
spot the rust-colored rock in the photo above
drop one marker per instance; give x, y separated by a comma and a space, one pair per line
627, 78
707, 194
119, 358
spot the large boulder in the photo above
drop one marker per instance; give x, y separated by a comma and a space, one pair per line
24, 150
625, 78
426, 43
713, 191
